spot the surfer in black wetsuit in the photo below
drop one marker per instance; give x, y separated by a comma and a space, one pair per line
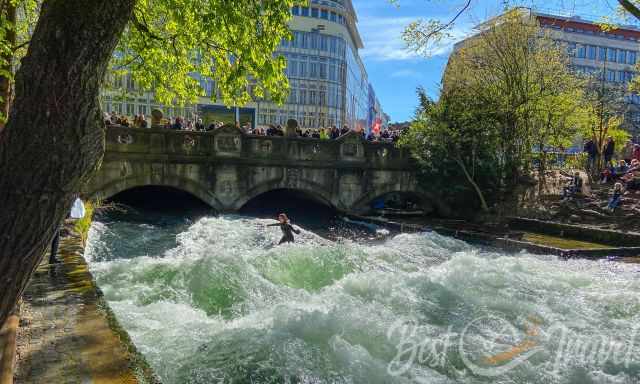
286, 227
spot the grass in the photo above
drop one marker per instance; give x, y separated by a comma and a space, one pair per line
82, 225
560, 242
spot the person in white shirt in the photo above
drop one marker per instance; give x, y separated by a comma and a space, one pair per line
77, 212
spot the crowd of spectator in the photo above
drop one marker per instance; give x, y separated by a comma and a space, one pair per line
623, 173
182, 124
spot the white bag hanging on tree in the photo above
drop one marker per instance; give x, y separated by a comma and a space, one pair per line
77, 210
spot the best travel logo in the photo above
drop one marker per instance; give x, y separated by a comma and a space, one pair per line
491, 346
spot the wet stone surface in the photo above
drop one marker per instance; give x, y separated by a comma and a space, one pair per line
64, 336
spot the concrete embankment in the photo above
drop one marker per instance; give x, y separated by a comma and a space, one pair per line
613, 243
67, 333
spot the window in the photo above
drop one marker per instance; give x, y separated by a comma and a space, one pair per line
571, 49
293, 68
591, 54
314, 12
295, 10
622, 56
602, 53
631, 58
340, 19
620, 77
324, 46
303, 69
304, 11
628, 76
612, 54
333, 76
333, 45
334, 17
130, 83
582, 52
297, 40
324, 14
611, 75
323, 71
313, 70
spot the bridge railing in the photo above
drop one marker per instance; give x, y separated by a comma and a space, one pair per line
231, 143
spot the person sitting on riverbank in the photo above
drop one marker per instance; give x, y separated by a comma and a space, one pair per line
615, 197
631, 178
287, 229
574, 187
627, 152
612, 173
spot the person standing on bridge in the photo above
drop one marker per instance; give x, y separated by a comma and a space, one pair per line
286, 227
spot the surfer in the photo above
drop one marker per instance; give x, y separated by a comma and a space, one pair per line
286, 227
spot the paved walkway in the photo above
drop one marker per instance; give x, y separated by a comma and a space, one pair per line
65, 333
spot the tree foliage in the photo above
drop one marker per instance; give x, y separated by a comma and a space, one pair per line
171, 44
422, 36
455, 145
172, 47
506, 91
17, 18
602, 114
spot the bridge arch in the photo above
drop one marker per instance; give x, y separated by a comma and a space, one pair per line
111, 189
313, 191
363, 204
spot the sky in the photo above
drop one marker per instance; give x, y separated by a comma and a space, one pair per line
395, 72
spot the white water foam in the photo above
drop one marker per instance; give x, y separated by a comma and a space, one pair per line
217, 302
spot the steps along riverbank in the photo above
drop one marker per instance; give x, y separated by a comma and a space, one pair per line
67, 333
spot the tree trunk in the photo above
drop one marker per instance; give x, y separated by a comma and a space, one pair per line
54, 138
476, 187
9, 10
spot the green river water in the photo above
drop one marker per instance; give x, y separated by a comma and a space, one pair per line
213, 300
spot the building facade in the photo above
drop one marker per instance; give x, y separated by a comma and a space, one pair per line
612, 54
329, 83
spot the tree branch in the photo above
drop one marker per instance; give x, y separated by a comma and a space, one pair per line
447, 25
630, 7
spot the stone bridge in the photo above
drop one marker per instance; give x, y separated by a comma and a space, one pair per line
227, 168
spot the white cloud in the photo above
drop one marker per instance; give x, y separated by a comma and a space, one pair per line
406, 73
382, 38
